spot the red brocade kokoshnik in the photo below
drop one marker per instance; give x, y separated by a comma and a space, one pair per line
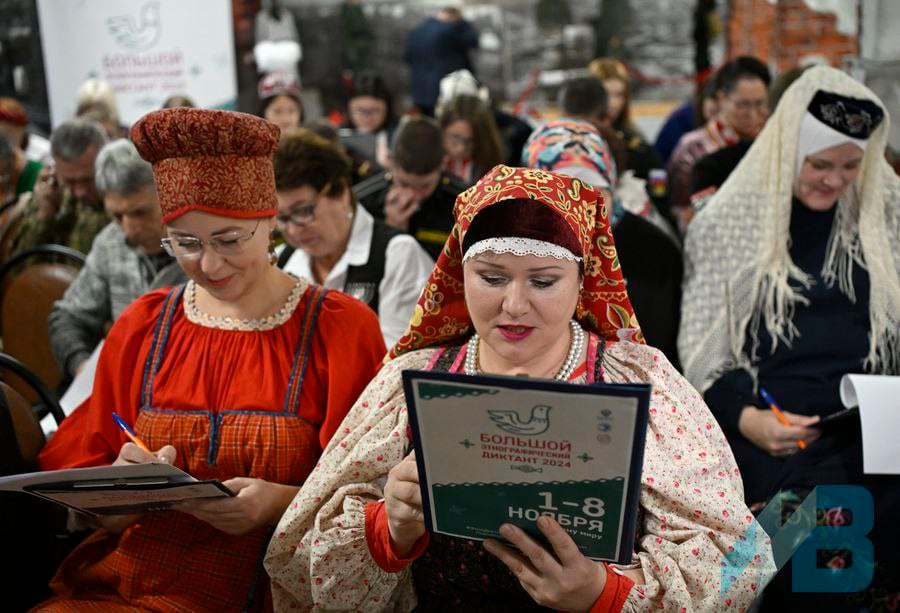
218, 162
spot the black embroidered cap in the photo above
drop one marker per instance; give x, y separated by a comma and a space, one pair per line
854, 117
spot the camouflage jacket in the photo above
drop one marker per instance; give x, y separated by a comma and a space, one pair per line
74, 226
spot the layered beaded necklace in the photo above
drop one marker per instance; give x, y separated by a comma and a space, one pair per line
470, 367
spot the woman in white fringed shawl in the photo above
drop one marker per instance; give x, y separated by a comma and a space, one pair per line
791, 281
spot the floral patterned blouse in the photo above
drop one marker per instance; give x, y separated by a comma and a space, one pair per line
700, 548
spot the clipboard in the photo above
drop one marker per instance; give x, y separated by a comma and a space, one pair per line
838, 419
116, 490
493, 450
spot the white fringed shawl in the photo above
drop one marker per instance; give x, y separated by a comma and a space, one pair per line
737, 266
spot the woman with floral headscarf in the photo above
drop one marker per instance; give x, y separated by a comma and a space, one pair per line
650, 260
792, 275
527, 284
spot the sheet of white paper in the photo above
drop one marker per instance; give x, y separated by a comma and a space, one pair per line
78, 391
878, 398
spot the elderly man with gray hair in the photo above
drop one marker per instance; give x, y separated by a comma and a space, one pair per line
126, 259
76, 216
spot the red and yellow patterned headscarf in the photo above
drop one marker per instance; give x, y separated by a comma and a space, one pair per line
441, 317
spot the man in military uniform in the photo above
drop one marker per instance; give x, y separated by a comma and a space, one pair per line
76, 216
415, 196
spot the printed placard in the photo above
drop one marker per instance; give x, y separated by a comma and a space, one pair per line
494, 450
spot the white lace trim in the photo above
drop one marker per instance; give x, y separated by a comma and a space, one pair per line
196, 316
520, 246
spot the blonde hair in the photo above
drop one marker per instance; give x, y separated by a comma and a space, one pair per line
96, 99
605, 68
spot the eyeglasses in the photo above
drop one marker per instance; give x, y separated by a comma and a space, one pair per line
747, 106
367, 111
461, 141
299, 215
227, 243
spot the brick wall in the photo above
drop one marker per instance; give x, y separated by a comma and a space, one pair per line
786, 33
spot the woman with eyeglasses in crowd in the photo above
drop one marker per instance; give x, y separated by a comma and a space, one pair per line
337, 243
742, 101
472, 144
233, 376
370, 121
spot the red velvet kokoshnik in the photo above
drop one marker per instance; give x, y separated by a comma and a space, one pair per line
521, 219
218, 162
580, 225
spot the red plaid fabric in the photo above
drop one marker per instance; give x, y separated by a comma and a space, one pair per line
233, 404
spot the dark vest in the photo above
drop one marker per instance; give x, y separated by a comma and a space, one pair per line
362, 281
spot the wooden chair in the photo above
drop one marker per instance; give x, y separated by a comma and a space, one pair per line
28, 289
29, 437
46, 399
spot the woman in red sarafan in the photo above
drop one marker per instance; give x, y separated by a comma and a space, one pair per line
243, 375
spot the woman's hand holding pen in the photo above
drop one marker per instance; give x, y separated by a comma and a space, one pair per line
132, 454
256, 503
763, 429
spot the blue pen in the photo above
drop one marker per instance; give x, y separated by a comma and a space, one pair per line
781, 416
129, 432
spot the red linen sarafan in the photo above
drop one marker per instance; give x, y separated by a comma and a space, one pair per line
603, 306
234, 403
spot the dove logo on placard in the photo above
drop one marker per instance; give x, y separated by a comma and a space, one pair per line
137, 35
510, 421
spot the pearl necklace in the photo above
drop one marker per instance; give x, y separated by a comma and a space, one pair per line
470, 366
